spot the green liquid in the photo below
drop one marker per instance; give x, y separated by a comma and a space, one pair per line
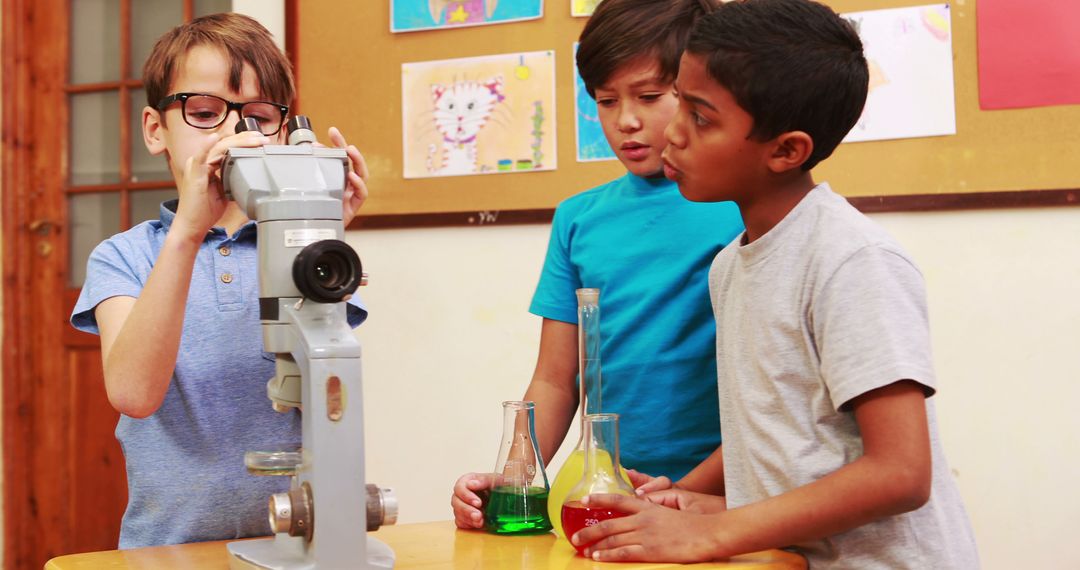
513, 510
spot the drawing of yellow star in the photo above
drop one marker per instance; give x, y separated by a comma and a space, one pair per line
459, 15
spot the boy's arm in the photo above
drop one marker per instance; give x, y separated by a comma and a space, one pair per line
140, 337
554, 386
893, 476
553, 389
707, 477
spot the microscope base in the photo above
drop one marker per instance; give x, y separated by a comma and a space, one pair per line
270, 554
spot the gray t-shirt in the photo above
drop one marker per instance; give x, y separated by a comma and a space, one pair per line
185, 463
825, 307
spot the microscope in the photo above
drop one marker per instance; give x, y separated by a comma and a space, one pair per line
306, 273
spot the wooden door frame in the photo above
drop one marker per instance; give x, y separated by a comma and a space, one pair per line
34, 411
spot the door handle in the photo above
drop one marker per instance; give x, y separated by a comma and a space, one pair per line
41, 226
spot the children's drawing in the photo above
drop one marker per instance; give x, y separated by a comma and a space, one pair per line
416, 15
592, 145
909, 52
583, 8
461, 110
479, 115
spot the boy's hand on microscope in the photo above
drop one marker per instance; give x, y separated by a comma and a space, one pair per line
644, 483
202, 198
470, 492
356, 190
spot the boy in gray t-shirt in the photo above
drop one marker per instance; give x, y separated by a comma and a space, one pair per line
823, 348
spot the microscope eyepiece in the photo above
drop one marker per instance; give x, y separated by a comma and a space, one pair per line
327, 271
247, 124
299, 129
298, 122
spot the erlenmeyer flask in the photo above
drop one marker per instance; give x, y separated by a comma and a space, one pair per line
519, 493
602, 474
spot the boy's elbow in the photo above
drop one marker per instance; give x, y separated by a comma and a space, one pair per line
130, 404
132, 407
911, 488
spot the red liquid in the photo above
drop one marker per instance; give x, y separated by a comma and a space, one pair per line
576, 516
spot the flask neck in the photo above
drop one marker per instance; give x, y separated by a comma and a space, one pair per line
519, 463
589, 370
602, 473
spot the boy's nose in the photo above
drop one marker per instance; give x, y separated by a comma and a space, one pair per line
673, 134
628, 120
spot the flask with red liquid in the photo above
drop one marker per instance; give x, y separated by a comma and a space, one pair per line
602, 474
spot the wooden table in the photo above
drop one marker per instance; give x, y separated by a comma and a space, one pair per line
423, 545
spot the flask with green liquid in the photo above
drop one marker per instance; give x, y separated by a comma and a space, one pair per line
518, 499
589, 397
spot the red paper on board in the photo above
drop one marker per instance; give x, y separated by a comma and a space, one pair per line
1029, 53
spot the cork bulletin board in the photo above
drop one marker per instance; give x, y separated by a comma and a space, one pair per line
350, 67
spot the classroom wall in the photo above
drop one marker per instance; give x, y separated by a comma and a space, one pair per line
449, 338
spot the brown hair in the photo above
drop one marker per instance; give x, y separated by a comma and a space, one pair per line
621, 31
239, 37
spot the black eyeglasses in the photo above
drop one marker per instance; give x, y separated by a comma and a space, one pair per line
208, 111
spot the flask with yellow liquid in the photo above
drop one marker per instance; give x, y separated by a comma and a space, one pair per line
589, 397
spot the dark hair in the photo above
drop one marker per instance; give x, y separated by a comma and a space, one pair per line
239, 37
621, 31
792, 65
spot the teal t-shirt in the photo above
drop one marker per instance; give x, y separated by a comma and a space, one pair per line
648, 250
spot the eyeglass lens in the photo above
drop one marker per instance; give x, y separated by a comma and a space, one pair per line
207, 112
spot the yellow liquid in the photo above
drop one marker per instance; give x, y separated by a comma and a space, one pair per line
569, 476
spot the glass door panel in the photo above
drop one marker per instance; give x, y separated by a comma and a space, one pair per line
149, 20
204, 7
92, 217
146, 204
95, 138
95, 41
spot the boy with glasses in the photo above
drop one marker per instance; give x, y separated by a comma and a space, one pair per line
175, 300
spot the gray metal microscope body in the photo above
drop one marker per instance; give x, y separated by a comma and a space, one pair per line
306, 273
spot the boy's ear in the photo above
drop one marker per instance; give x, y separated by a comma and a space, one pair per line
790, 150
153, 131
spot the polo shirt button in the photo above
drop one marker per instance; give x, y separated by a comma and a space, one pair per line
224, 250
226, 277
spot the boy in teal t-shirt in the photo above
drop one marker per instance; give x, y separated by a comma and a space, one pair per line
648, 251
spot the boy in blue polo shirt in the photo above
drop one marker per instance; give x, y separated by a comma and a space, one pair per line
175, 300
648, 251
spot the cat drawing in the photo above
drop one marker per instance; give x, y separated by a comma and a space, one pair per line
461, 111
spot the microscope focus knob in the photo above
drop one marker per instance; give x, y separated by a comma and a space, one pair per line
291, 512
382, 506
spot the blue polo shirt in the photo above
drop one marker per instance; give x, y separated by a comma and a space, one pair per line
185, 463
648, 250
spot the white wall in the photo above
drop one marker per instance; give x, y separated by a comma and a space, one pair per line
450, 338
